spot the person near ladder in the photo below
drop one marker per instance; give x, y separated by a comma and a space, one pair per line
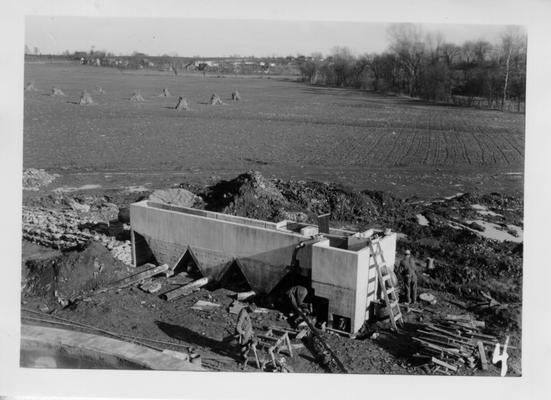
408, 271
245, 333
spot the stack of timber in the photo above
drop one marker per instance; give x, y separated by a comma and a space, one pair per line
453, 343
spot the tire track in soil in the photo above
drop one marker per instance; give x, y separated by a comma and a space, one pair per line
393, 149
508, 140
484, 136
372, 154
497, 145
490, 149
407, 147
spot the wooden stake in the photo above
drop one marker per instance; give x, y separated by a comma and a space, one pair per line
482, 353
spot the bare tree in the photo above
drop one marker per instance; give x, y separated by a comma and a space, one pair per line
407, 43
513, 41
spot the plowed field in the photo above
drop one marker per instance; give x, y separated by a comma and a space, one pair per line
279, 127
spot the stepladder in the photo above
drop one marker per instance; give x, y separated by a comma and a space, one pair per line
388, 290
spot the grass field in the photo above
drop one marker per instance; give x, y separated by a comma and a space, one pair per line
280, 128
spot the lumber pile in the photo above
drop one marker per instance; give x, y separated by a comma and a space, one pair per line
452, 343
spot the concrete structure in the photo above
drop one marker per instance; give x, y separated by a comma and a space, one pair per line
338, 264
46, 347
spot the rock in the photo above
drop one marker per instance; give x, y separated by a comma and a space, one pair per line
428, 298
151, 286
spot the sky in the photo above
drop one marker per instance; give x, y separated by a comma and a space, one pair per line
222, 37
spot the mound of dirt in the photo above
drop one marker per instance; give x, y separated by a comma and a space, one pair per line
177, 197
318, 198
182, 104
85, 99
235, 96
57, 92
63, 278
33, 178
136, 97
215, 100
249, 195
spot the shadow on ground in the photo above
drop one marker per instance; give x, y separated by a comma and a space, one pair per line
224, 348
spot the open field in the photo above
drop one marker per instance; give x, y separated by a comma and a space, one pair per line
280, 128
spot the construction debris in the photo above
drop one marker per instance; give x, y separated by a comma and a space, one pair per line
203, 305
452, 343
245, 295
151, 286
186, 289
482, 355
134, 279
428, 298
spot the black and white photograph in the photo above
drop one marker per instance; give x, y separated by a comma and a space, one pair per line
258, 196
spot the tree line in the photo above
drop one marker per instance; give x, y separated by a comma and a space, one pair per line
424, 65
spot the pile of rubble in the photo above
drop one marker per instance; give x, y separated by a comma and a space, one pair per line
452, 343
69, 229
54, 228
33, 178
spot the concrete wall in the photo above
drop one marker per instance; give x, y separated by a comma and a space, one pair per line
263, 251
348, 278
335, 277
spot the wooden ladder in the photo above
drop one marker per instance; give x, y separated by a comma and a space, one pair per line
390, 294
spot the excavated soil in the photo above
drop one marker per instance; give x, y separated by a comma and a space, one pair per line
468, 268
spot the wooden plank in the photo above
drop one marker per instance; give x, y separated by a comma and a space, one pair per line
449, 339
444, 364
186, 289
453, 317
445, 332
132, 280
482, 353
451, 352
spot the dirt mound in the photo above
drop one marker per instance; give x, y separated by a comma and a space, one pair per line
215, 100
57, 92
136, 97
249, 195
68, 276
182, 104
165, 93
33, 178
254, 196
235, 96
177, 197
85, 99
343, 203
